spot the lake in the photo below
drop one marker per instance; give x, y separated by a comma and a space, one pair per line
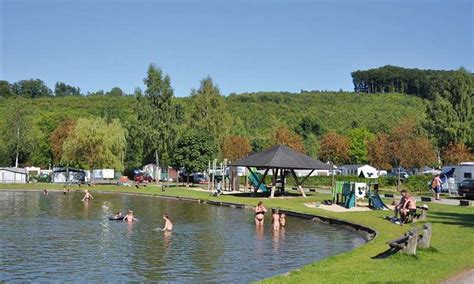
59, 238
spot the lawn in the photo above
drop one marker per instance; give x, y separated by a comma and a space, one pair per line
452, 243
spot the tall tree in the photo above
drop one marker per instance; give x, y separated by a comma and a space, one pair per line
359, 139
454, 154
334, 148
285, 137
158, 116
116, 92
236, 147
5, 89
378, 153
450, 113
408, 148
95, 144
62, 89
209, 113
58, 136
31, 89
17, 132
193, 151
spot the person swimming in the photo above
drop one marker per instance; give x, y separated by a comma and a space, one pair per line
130, 217
260, 210
276, 219
45, 192
118, 215
168, 225
87, 196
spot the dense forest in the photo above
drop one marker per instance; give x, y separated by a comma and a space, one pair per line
389, 124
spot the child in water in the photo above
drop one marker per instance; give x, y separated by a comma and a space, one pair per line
276, 219
168, 225
282, 220
118, 215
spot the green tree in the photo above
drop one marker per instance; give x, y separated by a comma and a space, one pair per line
209, 113
116, 92
62, 89
94, 143
359, 139
193, 151
5, 89
18, 132
31, 89
450, 113
158, 116
309, 126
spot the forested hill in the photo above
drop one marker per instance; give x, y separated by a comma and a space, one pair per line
260, 113
253, 114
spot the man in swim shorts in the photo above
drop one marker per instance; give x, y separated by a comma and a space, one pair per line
436, 186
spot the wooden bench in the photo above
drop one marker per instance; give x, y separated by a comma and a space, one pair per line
415, 216
409, 242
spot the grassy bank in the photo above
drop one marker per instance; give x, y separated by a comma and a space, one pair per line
451, 252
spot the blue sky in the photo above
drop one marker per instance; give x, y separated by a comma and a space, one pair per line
244, 46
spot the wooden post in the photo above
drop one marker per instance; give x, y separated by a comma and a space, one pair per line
282, 175
208, 176
424, 241
235, 180
298, 184
410, 247
274, 177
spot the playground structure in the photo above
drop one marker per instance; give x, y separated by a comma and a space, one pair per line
347, 194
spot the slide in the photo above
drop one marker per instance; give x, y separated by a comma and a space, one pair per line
255, 181
351, 200
377, 202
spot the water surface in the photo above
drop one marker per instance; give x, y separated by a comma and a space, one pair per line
59, 238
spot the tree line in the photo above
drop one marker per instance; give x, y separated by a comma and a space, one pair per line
36, 88
152, 125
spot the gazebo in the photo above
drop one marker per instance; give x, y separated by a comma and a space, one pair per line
279, 159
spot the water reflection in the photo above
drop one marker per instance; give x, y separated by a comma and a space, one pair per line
209, 243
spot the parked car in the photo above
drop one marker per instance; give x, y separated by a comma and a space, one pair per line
143, 177
466, 188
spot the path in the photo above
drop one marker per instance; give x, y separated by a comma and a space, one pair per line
465, 277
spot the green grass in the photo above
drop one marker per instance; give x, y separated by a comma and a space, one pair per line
452, 243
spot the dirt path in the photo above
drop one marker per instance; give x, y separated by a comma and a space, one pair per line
465, 277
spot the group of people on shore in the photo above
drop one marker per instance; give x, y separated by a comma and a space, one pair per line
278, 219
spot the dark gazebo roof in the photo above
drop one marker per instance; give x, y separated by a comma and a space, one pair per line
281, 157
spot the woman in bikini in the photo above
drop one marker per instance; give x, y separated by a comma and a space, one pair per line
260, 210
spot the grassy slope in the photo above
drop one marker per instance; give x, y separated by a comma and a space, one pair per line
452, 243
